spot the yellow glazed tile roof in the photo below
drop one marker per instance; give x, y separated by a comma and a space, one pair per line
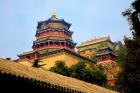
50, 77
95, 41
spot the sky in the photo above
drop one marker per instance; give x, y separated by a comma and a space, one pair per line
90, 19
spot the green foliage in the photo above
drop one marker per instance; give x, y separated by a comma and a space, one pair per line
129, 80
60, 68
120, 51
80, 71
92, 75
120, 84
99, 77
121, 54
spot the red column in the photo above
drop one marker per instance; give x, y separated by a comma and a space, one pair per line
101, 59
65, 44
48, 43
109, 57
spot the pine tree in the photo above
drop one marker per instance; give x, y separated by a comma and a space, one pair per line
131, 67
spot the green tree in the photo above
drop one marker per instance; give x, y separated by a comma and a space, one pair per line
60, 68
78, 70
121, 54
130, 79
99, 76
91, 75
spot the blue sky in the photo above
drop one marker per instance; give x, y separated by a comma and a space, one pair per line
89, 18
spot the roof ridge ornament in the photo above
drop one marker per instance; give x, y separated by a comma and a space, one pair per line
53, 15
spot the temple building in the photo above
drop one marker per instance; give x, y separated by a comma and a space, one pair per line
52, 34
105, 54
106, 58
101, 49
53, 43
89, 48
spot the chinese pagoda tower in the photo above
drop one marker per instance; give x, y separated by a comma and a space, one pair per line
52, 34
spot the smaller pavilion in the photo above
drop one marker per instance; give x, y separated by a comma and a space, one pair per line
105, 54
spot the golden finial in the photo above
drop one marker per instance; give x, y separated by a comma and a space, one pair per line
53, 13
53, 17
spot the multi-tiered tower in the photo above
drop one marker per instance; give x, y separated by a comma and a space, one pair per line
52, 34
